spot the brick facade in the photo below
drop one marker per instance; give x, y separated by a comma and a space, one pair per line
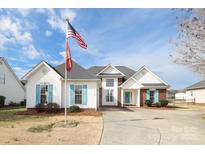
162, 95
142, 97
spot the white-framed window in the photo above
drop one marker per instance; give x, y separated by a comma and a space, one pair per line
78, 94
109, 82
2, 78
44, 93
109, 95
191, 93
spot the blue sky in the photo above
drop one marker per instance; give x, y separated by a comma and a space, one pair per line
130, 37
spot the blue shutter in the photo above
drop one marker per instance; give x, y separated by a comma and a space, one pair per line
72, 94
50, 93
148, 94
85, 95
38, 94
156, 96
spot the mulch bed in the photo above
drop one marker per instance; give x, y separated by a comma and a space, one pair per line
86, 112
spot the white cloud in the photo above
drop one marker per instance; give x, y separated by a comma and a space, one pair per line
20, 71
48, 33
30, 52
62, 53
11, 32
67, 13
56, 62
56, 21
24, 11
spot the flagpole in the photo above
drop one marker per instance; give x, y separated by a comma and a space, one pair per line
65, 80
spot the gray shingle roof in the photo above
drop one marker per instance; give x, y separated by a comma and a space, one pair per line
125, 70
198, 85
77, 72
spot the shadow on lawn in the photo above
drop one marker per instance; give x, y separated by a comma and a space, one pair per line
8, 114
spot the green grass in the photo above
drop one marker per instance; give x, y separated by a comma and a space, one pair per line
8, 114
41, 128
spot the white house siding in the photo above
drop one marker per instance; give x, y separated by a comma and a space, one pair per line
92, 91
146, 77
180, 95
110, 70
104, 88
39, 76
12, 89
198, 94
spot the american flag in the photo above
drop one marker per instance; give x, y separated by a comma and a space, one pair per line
71, 32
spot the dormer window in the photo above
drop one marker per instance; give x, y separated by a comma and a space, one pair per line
109, 82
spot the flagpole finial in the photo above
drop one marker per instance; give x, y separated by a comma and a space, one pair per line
67, 19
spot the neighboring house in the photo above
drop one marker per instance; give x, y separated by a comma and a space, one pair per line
180, 95
196, 91
94, 87
10, 85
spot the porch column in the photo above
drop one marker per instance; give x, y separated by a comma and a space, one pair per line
122, 96
138, 98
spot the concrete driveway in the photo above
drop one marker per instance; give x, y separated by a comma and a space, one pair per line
149, 126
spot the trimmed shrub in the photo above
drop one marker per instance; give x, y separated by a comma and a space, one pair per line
158, 104
148, 103
23, 103
52, 108
2, 101
74, 108
164, 103
13, 104
40, 107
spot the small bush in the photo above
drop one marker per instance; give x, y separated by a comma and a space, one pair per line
23, 103
148, 103
40, 107
2, 101
52, 108
74, 108
158, 104
164, 103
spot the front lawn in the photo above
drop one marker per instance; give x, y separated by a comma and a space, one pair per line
8, 114
46, 129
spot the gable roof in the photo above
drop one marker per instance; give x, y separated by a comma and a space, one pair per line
11, 70
36, 67
198, 85
144, 67
77, 72
110, 65
128, 72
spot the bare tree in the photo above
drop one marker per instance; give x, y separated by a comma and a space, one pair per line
190, 41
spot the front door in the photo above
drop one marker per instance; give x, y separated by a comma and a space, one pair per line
152, 96
127, 97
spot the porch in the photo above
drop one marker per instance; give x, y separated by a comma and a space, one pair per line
130, 97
